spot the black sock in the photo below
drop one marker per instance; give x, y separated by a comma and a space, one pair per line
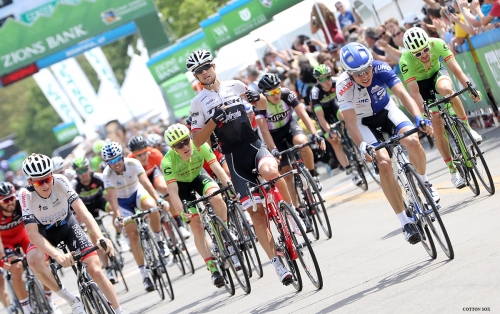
313, 172
178, 220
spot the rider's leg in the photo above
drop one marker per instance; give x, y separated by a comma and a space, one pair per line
201, 243
218, 204
94, 270
154, 218
268, 169
415, 150
103, 257
4, 297
444, 88
135, 247
17, 281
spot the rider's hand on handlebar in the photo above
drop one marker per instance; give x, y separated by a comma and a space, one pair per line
186, 217
364, 148
276, 154
109, 246
320, 141
162, 203
424, 125
476, 99
118, 221
65, 259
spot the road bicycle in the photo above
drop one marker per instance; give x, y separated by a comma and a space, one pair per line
92, 297
419, 204
221, 240
289, 236
308, 193
465, 152
353, 155
154, 260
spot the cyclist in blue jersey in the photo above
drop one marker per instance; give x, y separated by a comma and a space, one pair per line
366, 106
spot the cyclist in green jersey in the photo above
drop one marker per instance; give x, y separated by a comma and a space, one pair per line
97, 161
182, 167
425, 77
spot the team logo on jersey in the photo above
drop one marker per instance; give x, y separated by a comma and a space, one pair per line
346, 88
167, 171
278, 116
40, 207
267, 3
291, 97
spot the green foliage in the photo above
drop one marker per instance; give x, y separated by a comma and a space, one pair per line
34, 126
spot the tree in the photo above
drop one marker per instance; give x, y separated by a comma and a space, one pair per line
34, 127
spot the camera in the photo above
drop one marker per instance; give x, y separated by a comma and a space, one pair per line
451, 10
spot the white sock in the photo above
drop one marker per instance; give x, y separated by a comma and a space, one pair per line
403, 219
424, 177
276, 262
25, 304
158, 236
48, 295
142, 269
118, 310
64, 294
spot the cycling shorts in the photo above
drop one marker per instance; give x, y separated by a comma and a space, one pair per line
391, 120
241, 162
94, 207
201, 184
156, 172
9, 245
428, 87
283, 138
70, 233
128, 205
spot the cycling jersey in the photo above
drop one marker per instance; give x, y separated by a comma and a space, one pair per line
175, 169
371, 100
279, 115
154, 160
13, 232
127, 183
51, 211
326, 101
236, 131
414, 70
220, 158
92, 194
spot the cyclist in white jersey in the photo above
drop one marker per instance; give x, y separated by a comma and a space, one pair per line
366, 105
219, 108
46, 205
127, 187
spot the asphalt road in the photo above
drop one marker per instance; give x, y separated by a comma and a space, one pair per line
367, 266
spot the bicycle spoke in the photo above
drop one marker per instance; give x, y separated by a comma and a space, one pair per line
317, 205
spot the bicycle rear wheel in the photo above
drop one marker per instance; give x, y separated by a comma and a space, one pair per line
475, 156
247, 243
303, 246
216, 257
226, 241
429, 211
282, 251
316, 204
102, 304
38, 301
304, 197
161, 267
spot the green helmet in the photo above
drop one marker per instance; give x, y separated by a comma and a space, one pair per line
176, 133
321, 70
79, 163
97, 147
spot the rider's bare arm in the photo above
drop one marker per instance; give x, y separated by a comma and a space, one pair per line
264, 129
409, 103
352, 125
302, 114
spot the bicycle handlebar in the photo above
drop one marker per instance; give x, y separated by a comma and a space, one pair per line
186, 205
138, 215
271, 182
296, 147
446, 99
78, 255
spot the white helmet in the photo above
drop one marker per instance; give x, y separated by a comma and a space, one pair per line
111, 150
37, 165
57, 164
415, 39
154, 139
197, 58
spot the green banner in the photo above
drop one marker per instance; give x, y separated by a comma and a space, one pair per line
44, 10
16, 161
65, 132
273, 7
489, 58
23, 44
241, 20
469, 67
179, 94
173, 61
217, 33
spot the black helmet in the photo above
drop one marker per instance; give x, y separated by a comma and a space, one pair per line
269, 81
6, 189
189, 121
137, 143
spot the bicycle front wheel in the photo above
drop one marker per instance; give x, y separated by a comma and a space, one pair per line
476, 158
161, 267
101, 303
38, 301
316, 204
216, 256
247, 243
302, 245
180, 248
429, 211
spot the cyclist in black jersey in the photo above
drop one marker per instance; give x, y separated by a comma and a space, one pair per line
324, 100
280, 130
90, 187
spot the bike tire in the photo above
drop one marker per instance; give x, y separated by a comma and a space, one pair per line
279, 236
214, 248
15, 305
305, 197
118, 273
430, 211
150, 264
303, 246
181, 249
224, 235
41, 304
479, 165
167, 237
103, 306
161, 267
248, 243
316, 202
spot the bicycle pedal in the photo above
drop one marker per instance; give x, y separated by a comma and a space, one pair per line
287, 281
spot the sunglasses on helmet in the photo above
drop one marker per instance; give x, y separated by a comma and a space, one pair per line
205, 67
7, 200
41, 182
114, 160
273, 92
324, 78
419, 54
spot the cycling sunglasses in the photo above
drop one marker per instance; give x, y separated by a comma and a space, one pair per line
205, 67
419, 54
324, 79
7, 200
273, 92
82, 170
182, 144
114, 160
47, 180
362, 72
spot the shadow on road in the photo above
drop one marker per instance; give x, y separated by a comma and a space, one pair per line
472, 200
282, 301
211, 303
408, 273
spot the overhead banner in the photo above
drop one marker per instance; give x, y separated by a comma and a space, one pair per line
179, 94
57, 98
69, 24
76, 84
242, 17
65, 132
100, 64
273, 7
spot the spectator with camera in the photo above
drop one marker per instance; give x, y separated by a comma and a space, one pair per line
371, 39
